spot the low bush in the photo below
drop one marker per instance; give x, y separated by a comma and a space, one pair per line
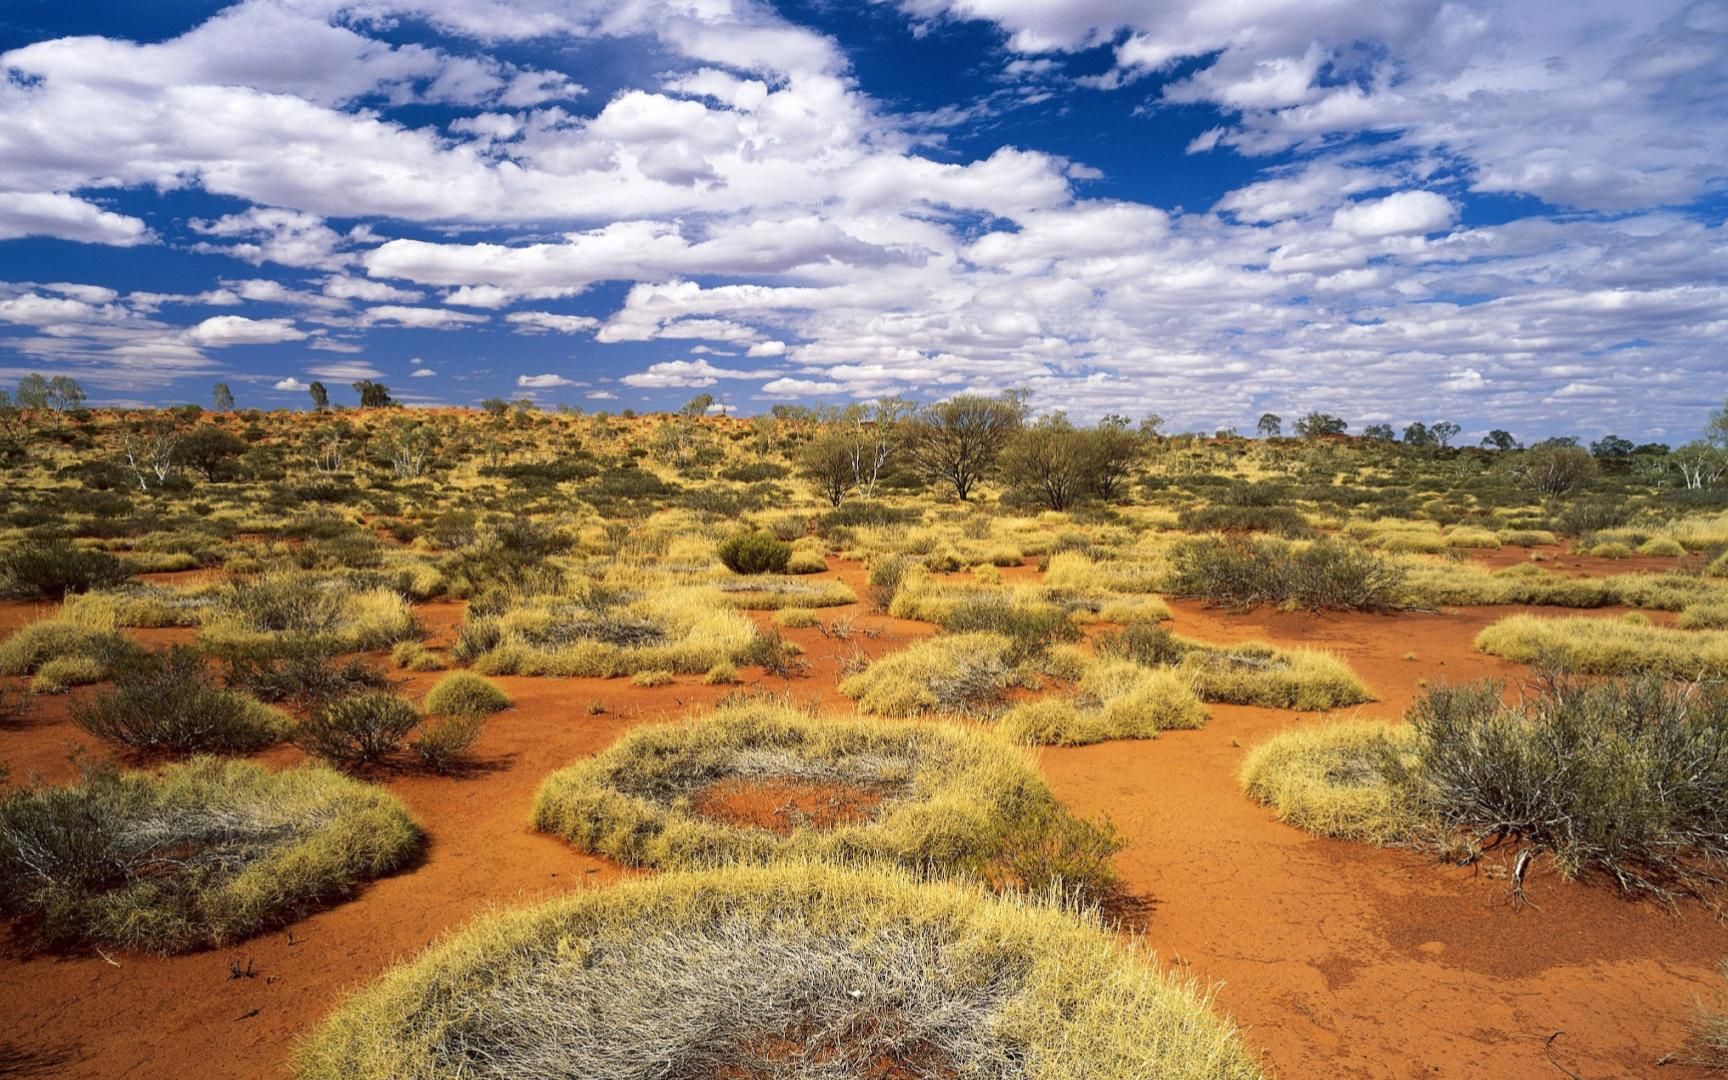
462, 693
863, 973
755, 553
1284, 521
1331, 781
1628, 778
295, 668
51, 571
886, 576
360, 729
1327, 575
441, 744
686, 631
201, 854
166, 703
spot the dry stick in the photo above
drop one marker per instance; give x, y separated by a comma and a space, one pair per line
1519, 867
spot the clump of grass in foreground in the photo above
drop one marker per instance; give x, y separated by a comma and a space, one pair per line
1628, 778
165, 702
1596, 646
200, 854
954, 673
762, 972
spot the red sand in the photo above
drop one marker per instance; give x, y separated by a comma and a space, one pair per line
1337, 959
782, 804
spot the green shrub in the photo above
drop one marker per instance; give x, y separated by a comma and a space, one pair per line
755, 553
886, 576
1327, 575
462, 693
360, 729
295, 668
442, 743
51, 571
165, 703
1626, 778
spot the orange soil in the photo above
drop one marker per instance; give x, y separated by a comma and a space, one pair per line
1337, 959
782, 804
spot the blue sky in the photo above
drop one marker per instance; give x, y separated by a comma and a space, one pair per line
1505, 214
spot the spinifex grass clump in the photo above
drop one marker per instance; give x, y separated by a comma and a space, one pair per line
1607, 646
1248, 673
940, 799
953, 673
200, 854
785, 973
1627, 778
686, 631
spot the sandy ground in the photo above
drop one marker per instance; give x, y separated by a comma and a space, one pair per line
1337, 959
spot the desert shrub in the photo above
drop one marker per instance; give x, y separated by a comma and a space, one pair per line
1585, 516
1707, 1047
463, 693
866, 973
1327, 575
1030, 628
929, 797
1606, 646
795, 617
200, 854
51, 571
755, 553
1282, 520
1627, 778
1709, 615
415, 656
441, 743
359, 729
166, 702
654, 677
1663, 546
329, 610
294, 668
949, 674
